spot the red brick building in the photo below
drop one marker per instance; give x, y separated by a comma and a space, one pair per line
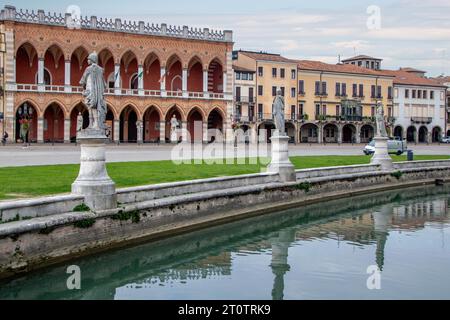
152, 71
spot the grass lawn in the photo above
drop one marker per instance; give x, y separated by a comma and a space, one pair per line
20, 182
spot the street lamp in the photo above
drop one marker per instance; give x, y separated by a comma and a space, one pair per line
2, 89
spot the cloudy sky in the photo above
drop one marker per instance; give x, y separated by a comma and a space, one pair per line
409, 33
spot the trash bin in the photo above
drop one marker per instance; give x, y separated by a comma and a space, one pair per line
410, 155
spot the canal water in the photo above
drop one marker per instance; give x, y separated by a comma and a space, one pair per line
391, 245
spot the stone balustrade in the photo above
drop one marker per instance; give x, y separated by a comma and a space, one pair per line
117, 25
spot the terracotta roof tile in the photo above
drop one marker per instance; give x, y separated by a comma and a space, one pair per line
338, 68
408, 78
266, 56
360, 57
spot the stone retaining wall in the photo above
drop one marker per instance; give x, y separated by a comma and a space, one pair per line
25, 245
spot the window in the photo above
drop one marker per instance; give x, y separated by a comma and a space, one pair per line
238, 76
359, 63
361, 90
414, 94
274, 91
260, 71
324, 109
238, 94
431, 94
250, 76
282, 73
250, 95
293, 74
419, 94
282, 91
379, 92
367, 64
260, 90
425, 94
406, 93
324, 88
274, 72
355, 90
338, 109
344, 89
301, 87
317, 110
372, 112
338, 89
377, 65
300, 109
293, 93
293, 112
390, 93
245, 76
260, 110
317, 91
372, 91
390, 112
372, 64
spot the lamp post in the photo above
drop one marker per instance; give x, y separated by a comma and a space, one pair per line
25, 120
2, 89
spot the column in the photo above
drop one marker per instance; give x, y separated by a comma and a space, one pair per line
117, 79
184, 132
66, 130
162, 132
40, 130
185, 79
116, 134
141, 80
358, 134
339, 133
163, 82
41, 74
205, 132
205, 83
320, 134
68, 87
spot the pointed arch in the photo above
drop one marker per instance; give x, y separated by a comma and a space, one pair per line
54, 122
26, 63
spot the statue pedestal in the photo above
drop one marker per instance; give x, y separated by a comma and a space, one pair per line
174, 136
381, 155
280, 159
93, 181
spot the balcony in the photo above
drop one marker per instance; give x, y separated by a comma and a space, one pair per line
321, 94
422, 120
118, 92
242, 99
244, 119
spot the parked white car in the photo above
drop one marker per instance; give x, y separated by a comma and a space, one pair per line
445, 140
395, 146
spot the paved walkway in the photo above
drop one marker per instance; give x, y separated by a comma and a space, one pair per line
15, 155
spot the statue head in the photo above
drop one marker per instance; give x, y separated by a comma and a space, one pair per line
93, 58
279, 92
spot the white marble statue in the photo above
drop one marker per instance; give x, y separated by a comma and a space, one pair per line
140, 130
79, 122
94, 85
174, 124
278, 113
381, 126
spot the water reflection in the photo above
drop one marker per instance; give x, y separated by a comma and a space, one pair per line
298, 253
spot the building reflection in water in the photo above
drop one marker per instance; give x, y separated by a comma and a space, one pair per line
363, 222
